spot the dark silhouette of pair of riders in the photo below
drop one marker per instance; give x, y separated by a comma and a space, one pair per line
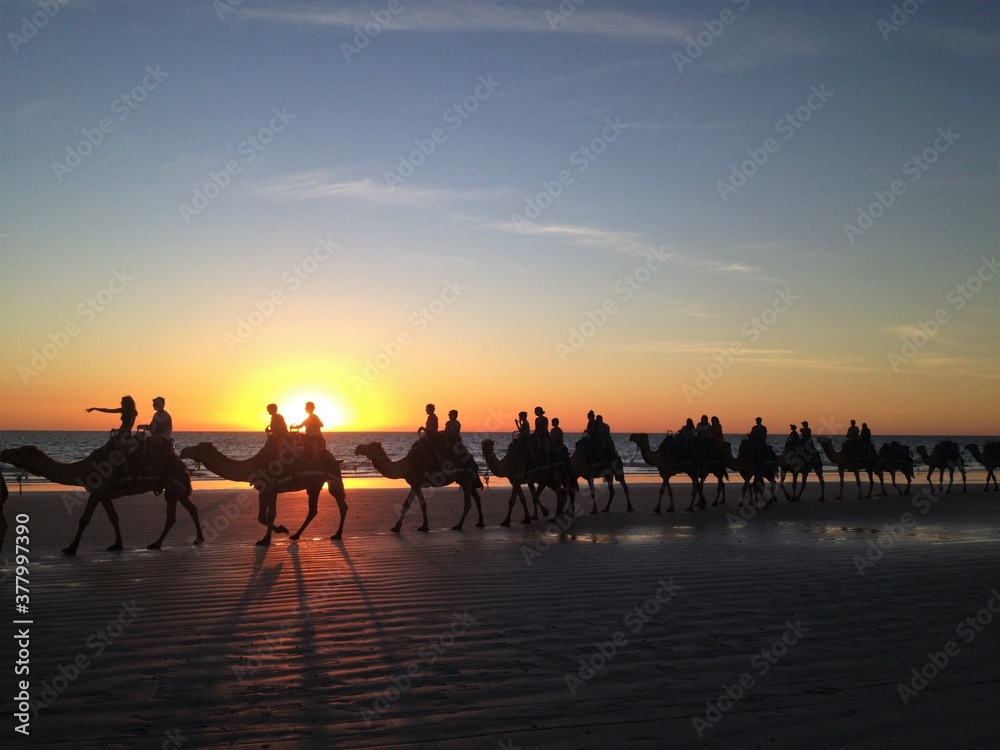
150, 450
444, 452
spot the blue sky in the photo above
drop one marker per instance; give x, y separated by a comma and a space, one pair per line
516, 99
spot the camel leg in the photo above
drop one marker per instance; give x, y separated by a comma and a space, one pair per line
628, 500
342, 507
171, 518
524, 504
695, 485
670, 493
467, 505
593, 495
840, 494
313, 495
270, 512
186, 503
402, 514
423, 509
510, 504
962, 472
481, 523
88, 512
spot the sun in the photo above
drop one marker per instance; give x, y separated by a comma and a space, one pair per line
330, 408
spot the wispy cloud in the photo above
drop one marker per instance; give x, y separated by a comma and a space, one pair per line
439, 16
320, 185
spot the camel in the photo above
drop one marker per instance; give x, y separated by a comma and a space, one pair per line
893, 457
104, 473
512, 468
413, 469
609, 471
946, 455
744, 464
845, 461
990, 458
664, 460
798, 460
273, 472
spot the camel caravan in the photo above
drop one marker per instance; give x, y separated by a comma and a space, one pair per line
296, 459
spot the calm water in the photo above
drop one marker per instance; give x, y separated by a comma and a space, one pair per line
73, 445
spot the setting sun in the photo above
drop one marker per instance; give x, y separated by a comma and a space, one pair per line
331, 409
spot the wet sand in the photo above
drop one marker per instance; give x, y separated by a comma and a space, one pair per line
787, 628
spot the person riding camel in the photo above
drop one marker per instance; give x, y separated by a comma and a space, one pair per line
277, 430
453, 428
542, 434
313, 440
431, 438
717, 432
793, 437
129, 414
158, 442
159, 429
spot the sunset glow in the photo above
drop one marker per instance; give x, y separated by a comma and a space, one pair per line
798, 222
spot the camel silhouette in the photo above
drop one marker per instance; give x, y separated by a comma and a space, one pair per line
415, 469
106, 473
747, 466
665, 460
946, 455
513, 468
847, 461
989, 457
798, 460
608, 470
273, 472
895, 457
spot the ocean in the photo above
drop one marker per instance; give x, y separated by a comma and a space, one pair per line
68, 446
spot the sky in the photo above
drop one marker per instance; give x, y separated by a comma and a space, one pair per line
654, 210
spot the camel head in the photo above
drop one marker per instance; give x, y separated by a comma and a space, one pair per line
22, 457
197, 452
367, 449
487, 445
922, 450
639, 438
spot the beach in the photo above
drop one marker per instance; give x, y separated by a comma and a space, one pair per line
855, 623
